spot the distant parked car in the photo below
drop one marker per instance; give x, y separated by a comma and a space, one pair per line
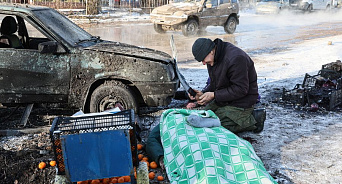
192, 16
271, 6
46, 58
309, 5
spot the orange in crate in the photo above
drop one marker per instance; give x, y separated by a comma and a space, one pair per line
106, 181
114, 180
95, 181
121, 180
127, 178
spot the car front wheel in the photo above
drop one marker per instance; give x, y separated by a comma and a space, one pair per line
112, 94
230, 25
190, 28
158, 28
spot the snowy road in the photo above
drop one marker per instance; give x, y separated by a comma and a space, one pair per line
296, 146
256, 34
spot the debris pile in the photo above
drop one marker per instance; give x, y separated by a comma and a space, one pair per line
321, 91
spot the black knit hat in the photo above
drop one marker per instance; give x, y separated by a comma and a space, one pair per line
201, 48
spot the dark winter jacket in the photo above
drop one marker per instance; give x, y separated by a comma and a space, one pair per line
233, 76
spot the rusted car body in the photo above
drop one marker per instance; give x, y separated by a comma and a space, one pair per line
192, 16
64, 64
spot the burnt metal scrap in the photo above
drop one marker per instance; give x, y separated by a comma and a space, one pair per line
321, 91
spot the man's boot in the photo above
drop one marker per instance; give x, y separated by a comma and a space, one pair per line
260, 117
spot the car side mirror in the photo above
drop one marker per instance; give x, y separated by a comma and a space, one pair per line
51, 47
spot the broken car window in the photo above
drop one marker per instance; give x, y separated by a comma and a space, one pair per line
63, 27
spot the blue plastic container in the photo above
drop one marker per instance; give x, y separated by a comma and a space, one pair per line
95, 147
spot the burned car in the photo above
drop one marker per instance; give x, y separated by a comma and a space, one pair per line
193, 16
46, 58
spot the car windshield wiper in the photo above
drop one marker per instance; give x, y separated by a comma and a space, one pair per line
92, 39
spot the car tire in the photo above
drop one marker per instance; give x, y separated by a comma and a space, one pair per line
308, 9
158, 28
109, 95
190, 28
230, 25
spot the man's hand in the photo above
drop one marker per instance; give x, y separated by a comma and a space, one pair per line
198, 94
206, 98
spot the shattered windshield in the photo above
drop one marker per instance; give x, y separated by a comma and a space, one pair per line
63, 27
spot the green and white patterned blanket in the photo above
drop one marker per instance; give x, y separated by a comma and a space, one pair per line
207, 155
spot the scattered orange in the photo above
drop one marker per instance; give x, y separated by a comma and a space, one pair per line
53, 163
82, 182
121, 180
160, 178
105, 181
97, 181
153, 165
42, 165
140, 156
151, 175
114, 180
145, 158
127, 178
140, 146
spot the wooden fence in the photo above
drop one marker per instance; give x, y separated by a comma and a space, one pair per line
81, 4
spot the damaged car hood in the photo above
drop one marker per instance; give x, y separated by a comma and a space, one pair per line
170, 9
131, 50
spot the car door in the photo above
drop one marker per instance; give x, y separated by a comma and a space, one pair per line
209, 14
225, 8
28, 76
319, 4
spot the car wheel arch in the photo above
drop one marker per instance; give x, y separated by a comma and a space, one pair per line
190, 27
236, 17
92, 87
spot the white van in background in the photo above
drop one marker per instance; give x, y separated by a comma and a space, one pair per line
271, 6
309, 5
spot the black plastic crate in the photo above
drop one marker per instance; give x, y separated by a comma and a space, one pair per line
295, 96
62, 126
332, 70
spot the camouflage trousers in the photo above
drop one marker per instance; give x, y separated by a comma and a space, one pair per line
232, 118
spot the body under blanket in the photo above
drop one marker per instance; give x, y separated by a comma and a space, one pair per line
207, 155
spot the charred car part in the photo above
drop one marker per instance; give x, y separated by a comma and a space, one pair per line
46, 58
322, 90
191, 16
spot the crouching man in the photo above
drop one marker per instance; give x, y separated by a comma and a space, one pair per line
233, 89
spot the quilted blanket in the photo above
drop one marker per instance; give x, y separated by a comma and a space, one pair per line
207, 155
